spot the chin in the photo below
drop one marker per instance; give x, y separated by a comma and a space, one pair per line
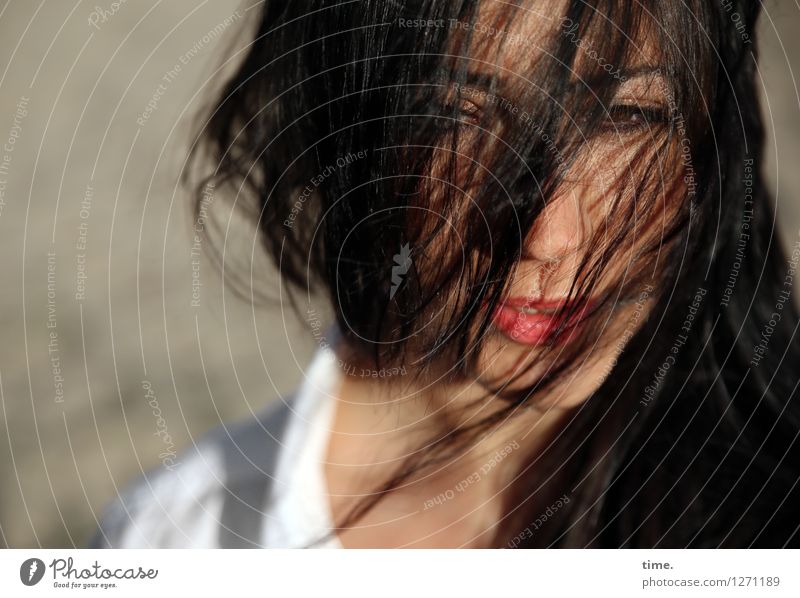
516, 367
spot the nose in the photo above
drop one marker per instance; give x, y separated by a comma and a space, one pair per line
559, 231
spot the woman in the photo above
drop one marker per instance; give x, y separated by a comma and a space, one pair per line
562, 317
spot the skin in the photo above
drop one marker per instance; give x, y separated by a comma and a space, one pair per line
379, 422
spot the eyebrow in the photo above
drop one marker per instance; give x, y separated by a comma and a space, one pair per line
484, 81
627, 74
498, 82
642, 70
495, 84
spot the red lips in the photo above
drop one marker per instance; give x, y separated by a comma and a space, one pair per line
531, 322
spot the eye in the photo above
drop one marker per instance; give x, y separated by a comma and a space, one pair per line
461, 111
466, 111
626, 117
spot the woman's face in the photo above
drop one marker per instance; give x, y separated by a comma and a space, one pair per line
581, 217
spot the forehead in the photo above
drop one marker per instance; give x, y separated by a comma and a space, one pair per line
516, 38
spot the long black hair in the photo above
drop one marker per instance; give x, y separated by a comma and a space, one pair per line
357, 131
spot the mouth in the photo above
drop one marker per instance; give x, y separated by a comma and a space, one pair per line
534, 323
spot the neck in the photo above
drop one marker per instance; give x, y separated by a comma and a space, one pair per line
380, 423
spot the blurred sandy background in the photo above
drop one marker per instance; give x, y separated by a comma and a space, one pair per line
97, 266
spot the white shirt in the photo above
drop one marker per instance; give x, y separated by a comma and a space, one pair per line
183, 506
300, 507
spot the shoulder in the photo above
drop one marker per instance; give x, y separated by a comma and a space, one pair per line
212, 496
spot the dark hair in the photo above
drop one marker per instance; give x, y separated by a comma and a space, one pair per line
344, 128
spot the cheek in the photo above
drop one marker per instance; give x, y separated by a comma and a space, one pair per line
631, 193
